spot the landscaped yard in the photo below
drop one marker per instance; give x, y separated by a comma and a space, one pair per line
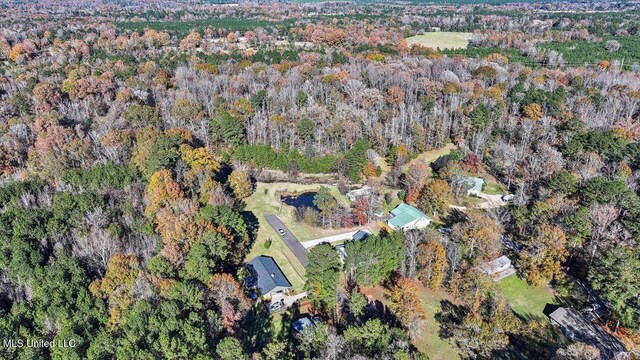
526, 300
263, 202
441, 39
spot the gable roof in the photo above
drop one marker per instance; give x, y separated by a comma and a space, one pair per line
360, 235
265, 274
495, 264
476, 183
365, 190
405, 214
577, 328
401, 208
302, 323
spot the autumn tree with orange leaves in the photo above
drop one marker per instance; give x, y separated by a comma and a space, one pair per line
229, 297
406, 305
117, 285
544, 253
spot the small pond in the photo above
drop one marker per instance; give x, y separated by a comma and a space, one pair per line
300, 201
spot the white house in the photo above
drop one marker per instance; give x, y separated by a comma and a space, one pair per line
498, 268
406, 217
476, 189
363, 191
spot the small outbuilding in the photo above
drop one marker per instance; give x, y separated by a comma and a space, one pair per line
498, 268
303, 323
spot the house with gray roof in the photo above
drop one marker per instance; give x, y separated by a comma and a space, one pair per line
576, 327
498, 268
266, 277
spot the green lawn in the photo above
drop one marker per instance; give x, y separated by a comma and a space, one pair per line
441, 40
526, 300
263, 202
469, 201
430, 342
429, 156
493, 188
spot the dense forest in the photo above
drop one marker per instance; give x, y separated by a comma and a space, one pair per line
133, 136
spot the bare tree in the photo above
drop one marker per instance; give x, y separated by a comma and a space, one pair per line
412, 239
602, 216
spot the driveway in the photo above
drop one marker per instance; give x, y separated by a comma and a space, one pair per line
292, 242
332, 238
286, 300
493, 201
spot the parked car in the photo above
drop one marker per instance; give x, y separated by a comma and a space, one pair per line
593, 307
274, 306
507, 197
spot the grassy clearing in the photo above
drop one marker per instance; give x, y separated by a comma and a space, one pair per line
526, 300
429, 156
470, 201
493, 188
430, 343
263, 202
441, 40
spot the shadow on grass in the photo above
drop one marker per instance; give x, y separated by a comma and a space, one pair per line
449, 316
258, 328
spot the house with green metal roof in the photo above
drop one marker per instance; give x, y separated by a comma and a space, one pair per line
407, 217
478, 183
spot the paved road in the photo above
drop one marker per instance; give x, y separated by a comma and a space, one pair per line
292, 242
332, 238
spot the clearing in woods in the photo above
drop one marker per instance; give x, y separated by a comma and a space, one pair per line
441, 40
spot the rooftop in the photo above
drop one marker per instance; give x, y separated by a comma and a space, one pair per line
265, 274
404, 214
301, 324
360, 235
477, 183
495, 264
577, 328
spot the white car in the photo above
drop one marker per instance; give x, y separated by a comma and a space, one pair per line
282, 232
507, 197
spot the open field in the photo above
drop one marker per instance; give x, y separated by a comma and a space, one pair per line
441, 40
526, 300
430, 343
263, 202
429, 156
